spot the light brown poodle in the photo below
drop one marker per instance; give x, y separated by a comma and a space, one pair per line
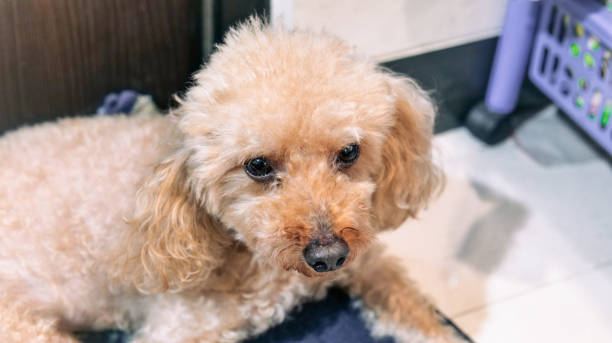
266, 186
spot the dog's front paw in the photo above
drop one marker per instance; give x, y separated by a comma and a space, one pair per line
438, 330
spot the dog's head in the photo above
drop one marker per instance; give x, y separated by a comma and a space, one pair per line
292, 146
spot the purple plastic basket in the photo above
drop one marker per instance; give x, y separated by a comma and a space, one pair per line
570, 63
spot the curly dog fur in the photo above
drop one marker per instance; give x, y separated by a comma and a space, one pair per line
149, 223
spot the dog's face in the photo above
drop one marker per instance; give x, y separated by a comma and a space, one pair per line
288, 159
300, 150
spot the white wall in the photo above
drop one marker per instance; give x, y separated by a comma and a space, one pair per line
392, 29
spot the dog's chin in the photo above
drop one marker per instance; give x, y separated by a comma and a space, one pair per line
304, 269
291, 262
289, 258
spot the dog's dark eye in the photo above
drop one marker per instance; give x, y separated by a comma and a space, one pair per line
348, 155
258, 169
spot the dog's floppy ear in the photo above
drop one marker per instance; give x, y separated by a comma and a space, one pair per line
408, 176
175, 244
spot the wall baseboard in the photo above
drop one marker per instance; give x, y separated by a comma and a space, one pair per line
457, 77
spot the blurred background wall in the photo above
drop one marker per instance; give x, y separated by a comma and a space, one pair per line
391, 29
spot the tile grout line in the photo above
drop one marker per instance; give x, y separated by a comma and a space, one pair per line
544, 285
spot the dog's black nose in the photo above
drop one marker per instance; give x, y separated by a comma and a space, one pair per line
324, 255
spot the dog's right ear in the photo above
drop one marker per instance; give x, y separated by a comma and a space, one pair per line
174, 243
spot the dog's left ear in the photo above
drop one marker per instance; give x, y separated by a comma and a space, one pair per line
408, 177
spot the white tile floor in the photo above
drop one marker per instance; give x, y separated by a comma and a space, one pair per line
519, 246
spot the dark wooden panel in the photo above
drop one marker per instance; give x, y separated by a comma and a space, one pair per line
230, 12
59, 57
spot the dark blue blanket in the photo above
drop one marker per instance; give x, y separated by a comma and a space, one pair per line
330, 320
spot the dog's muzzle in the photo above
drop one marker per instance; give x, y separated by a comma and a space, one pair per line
325, 255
